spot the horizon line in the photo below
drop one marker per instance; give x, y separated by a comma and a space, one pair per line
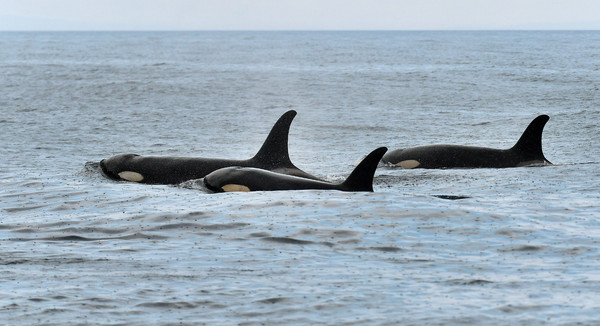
312, 30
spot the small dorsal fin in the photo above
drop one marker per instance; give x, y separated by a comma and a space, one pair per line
274, 151
530, 142
361, 178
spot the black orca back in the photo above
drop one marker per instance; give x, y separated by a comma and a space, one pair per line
256, 179
273, 155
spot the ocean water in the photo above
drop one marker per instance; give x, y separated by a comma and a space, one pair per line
517, 246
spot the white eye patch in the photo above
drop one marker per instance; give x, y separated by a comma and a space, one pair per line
232, 187
409, 164
131, 176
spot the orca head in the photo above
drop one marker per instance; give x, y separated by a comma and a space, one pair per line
116, 168
227, 179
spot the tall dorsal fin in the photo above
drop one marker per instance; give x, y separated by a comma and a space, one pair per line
274, 151
530, 142
361, 178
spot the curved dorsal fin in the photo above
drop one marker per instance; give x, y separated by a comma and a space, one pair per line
274, 151
361, 178
530, 142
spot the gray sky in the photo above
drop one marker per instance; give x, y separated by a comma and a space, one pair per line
298, 14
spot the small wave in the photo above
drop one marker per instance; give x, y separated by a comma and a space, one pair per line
514, 308
576, 251
51, 261
175, 226
92, 166
382, 249
286, 240
196, 184
169, 305
37, 299
451, 197
122, 201
273, 300
24, 208
469, 282
180, 304
164, 218
77, 238
68, 238
260, 235
579, 163
524, 248
79, 230
139, 236
226, 226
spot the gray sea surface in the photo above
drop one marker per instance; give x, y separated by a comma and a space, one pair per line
516, 246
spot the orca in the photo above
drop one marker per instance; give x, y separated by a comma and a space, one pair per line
252, 179
526, 152
273, 155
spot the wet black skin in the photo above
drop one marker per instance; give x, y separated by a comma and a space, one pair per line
527, 151
273, 156
253, 179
